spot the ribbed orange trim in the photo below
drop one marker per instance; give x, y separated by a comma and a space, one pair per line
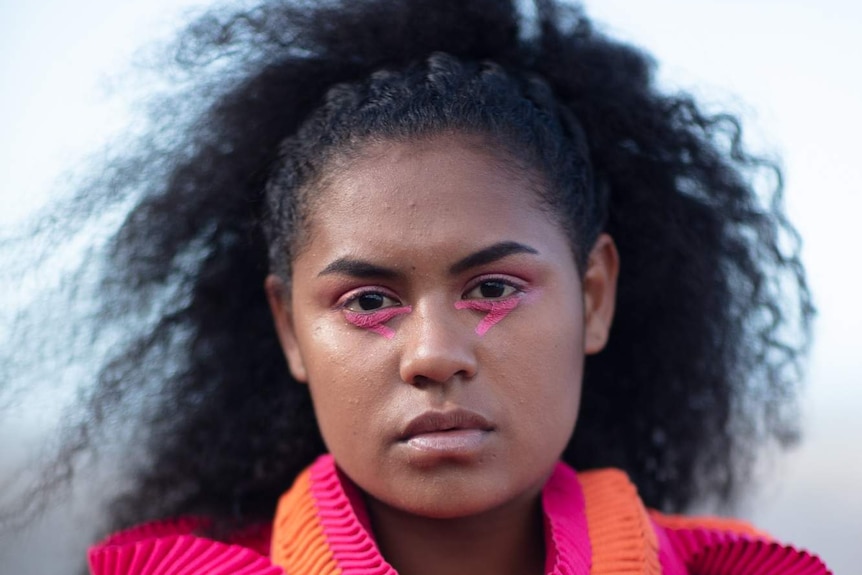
299, 545
718, 523
621, 535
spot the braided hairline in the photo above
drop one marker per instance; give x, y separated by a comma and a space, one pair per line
517, 113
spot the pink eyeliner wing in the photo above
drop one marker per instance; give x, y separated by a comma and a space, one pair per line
495, 311
375, 321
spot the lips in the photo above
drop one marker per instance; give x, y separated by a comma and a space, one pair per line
443, 421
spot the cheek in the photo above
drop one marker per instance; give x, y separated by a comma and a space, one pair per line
548, 394
346, 399
551, 357
329, 380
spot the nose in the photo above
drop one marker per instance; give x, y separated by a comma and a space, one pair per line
437, 347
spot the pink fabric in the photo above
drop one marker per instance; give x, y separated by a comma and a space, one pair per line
157, 529
178, 555
345, 523
568, 541
351, 542
172, 548
711, 552
671, 562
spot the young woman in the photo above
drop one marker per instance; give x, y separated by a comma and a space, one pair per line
493, 253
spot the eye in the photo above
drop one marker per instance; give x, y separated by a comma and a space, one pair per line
369, 301
492, 289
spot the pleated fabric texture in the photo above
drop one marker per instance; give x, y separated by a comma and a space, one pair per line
595, 524
737, 549
321, 527
172, 548
622, 537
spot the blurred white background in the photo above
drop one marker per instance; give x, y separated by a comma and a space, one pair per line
790, 67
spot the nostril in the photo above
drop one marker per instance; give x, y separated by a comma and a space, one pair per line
422, 381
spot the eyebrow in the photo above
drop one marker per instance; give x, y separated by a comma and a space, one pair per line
489, 255
365, 269
358, 269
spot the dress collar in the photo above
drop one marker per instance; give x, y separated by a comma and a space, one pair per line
594, 523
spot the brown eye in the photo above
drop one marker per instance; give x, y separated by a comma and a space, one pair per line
491, 289
370, 301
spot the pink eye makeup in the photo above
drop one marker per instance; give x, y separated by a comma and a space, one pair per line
375, 321
355, 312
495, 309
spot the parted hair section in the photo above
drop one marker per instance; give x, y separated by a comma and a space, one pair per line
702, 365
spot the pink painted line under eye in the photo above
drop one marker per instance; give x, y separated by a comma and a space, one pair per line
495, 310
375, 320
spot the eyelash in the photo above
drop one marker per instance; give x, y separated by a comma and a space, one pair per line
372, 320
353, 297
518, 288
495, 309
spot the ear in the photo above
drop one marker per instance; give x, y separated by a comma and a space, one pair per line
600, 291
277, 293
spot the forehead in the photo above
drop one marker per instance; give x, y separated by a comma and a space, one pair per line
442, 195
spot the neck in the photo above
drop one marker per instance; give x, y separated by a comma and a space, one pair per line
508, 540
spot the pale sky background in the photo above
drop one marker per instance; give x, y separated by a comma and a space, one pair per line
790, 67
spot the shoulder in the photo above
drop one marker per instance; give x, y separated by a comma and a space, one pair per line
177, 547
681, 545
719, 545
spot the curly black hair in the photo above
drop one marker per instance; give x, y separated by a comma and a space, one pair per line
713, 311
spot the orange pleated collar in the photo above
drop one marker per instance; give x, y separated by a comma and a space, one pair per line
596, 525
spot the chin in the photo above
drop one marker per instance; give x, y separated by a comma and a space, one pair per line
459, 493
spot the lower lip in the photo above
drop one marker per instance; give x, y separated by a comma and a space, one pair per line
454, 442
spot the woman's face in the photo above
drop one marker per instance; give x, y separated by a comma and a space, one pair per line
439, 319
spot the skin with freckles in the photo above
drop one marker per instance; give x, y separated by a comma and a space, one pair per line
449, 427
